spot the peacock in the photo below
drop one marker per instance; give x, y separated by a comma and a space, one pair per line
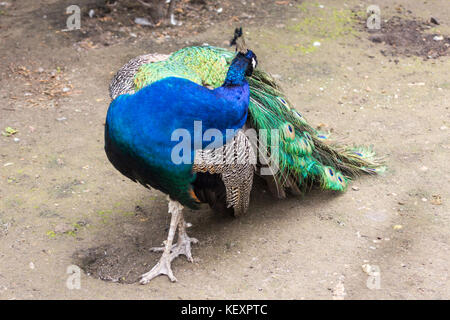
258, 131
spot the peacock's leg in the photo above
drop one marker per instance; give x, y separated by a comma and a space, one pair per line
163, 266
183, 245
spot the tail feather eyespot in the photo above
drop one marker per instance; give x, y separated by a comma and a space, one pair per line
288, 131
307, 147
341, 179
284, 102
297, 115
307, 135
333, 179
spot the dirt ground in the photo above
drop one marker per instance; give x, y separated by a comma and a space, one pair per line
62, 203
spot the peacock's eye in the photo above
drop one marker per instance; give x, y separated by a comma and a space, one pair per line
331, 172
341, 179
285, 104
288, 131
297, 115
307, 135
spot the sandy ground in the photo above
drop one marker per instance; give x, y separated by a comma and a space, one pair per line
62, 202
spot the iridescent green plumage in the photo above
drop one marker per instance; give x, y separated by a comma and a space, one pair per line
304, 154
206, 66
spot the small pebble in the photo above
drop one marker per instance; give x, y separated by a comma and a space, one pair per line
143, 22
436, 199
434, 20
367, 268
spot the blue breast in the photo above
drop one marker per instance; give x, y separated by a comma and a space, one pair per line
139, 127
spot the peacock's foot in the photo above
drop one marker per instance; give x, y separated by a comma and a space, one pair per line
163, 267
183, 246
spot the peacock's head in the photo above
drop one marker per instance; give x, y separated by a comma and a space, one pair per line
253, 62
243, 51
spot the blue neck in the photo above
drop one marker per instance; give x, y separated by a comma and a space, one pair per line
236, 72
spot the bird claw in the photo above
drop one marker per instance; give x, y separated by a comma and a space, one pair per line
163, 267
170, 252
182, 247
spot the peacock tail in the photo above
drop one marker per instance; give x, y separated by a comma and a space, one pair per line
305, 155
